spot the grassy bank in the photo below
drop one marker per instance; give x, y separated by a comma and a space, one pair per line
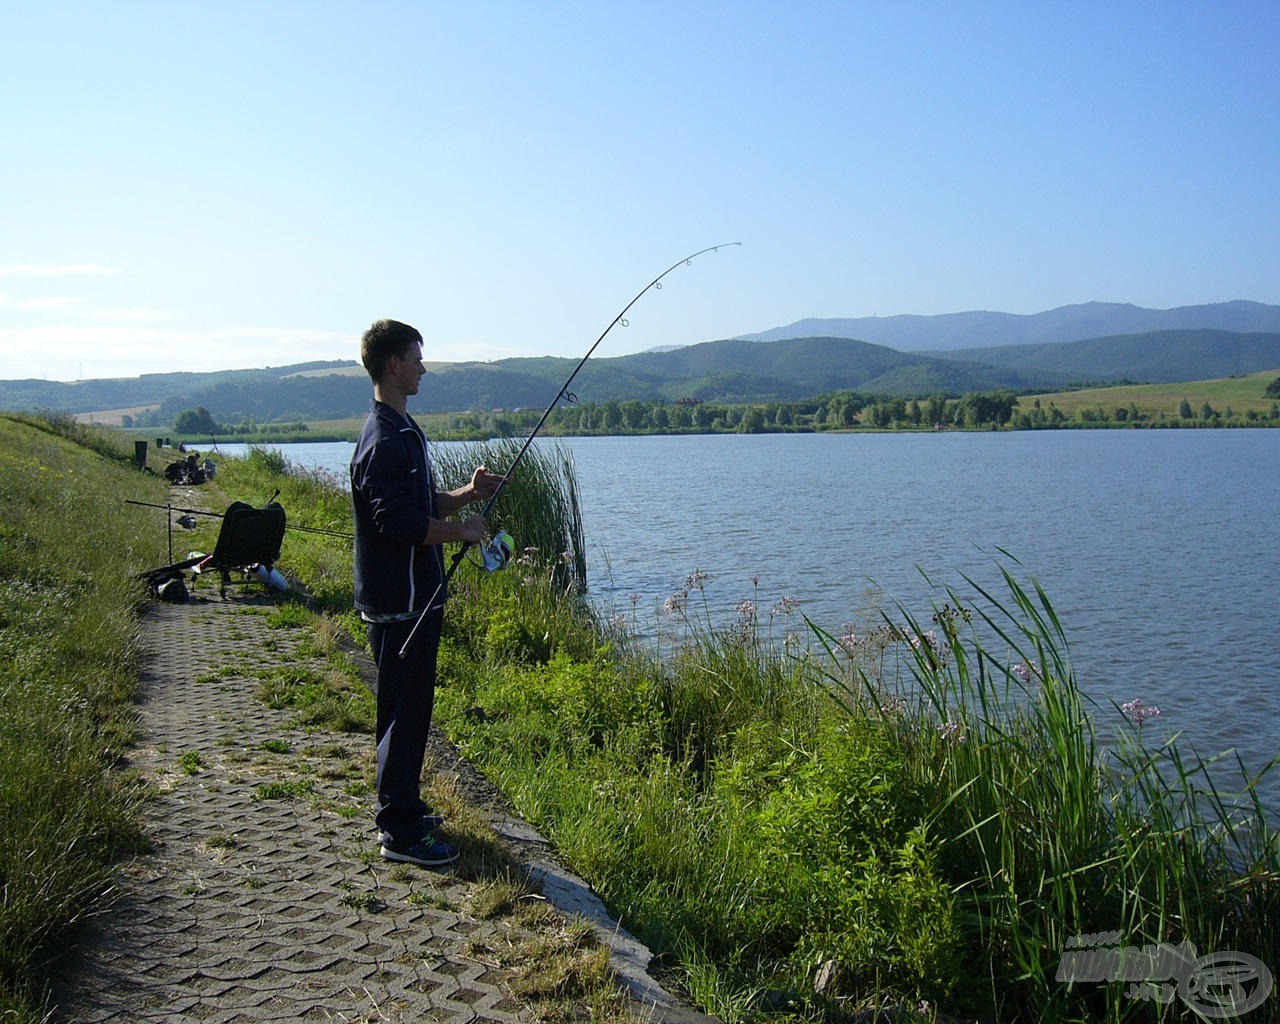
915, 814
807, 830
68, 646
70, 545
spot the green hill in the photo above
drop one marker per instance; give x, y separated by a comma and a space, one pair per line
726, 371
1158, 357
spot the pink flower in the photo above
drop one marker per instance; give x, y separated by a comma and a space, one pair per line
1138, 712
927, 639
1023, 672
787, 605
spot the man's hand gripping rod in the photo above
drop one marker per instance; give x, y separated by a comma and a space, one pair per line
564, 390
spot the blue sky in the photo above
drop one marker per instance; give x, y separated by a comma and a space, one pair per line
197, 186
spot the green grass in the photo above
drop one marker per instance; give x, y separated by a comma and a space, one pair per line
894, 812
1242, 394
191, 762
283, 790
328, 697
1043, 833
69, 546
932, 833
894, 816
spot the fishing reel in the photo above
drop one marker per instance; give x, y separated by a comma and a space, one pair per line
497, 551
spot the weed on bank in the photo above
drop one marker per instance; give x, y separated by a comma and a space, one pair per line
69, 546
911, 815
905, 817
914, 815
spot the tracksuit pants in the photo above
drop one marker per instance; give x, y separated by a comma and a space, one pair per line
406, 691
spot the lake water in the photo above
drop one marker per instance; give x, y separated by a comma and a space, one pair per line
1158, 549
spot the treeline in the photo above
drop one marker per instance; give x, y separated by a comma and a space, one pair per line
844, 410
1002, 409
200, 422
836, 411
1039, 417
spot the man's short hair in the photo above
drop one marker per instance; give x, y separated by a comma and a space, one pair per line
386, 338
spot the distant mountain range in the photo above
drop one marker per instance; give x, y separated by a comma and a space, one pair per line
973, 330
953, 354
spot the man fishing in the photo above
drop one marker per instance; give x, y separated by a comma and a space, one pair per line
401, 521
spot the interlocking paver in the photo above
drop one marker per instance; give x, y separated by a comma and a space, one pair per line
256, 906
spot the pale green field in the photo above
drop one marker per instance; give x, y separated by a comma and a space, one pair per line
357, 370
1241, 393
348, 426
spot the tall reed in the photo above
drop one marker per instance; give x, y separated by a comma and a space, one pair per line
1045, 835
540, 506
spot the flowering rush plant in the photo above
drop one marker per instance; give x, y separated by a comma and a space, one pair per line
1137, 712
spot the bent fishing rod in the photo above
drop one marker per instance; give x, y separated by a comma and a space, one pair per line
566, 394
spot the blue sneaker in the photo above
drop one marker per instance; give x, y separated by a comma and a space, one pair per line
428, 822
428, 852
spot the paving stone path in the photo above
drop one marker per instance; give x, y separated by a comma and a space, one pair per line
264, 898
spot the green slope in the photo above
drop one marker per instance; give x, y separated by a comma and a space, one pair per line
717, 371
1156, 357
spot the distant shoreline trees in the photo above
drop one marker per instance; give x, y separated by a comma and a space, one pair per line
1001, 409
841, 411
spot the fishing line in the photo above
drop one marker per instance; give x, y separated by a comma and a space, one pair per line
563, 393
220, 515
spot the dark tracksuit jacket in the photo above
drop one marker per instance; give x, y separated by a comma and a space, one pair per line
393, 493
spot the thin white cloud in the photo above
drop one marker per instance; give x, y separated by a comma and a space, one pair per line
131, 342
128, 340
99, 334
475, 352
81, 307
134, 315
57, 270
84, 351
45, 303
